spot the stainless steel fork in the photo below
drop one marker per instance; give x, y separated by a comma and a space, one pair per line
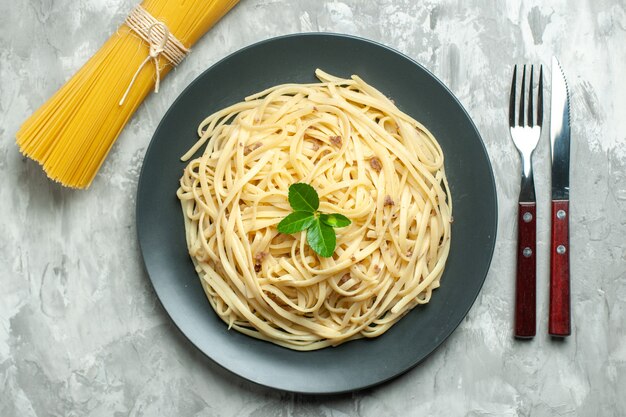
525, 130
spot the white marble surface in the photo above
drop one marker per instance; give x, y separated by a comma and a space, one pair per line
82, 334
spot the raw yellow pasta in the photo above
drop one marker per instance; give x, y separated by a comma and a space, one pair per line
71, 134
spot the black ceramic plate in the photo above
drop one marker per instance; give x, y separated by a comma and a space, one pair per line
357, 364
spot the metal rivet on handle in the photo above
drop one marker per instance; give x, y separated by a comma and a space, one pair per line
527, 252
527, 217
560, 214
560, 249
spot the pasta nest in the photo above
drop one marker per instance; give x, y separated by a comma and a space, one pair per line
368, 161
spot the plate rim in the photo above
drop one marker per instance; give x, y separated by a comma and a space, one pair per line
493, 223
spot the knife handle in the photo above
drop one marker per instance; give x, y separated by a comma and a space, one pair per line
525, 286
559, 322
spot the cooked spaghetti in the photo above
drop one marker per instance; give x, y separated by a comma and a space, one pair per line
368, 161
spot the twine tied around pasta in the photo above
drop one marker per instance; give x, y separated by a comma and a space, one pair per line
161, 42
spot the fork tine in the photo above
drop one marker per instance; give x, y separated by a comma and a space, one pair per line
512, 99
521, 98
530, 99
540, 98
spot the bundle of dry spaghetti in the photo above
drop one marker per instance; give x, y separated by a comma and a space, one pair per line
71, 134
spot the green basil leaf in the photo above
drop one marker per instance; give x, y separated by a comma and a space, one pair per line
302, 197
321, 238
335, 220
296, 221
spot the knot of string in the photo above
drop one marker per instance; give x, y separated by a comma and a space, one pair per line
161, 42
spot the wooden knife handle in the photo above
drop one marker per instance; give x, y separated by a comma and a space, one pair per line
525, 287
559, 271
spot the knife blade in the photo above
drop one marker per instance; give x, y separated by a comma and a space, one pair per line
559, 320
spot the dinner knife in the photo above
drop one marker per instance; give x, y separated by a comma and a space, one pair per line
559, 321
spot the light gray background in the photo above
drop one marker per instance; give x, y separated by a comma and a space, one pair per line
82, 334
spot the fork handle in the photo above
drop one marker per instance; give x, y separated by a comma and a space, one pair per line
525, 287
559, 321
